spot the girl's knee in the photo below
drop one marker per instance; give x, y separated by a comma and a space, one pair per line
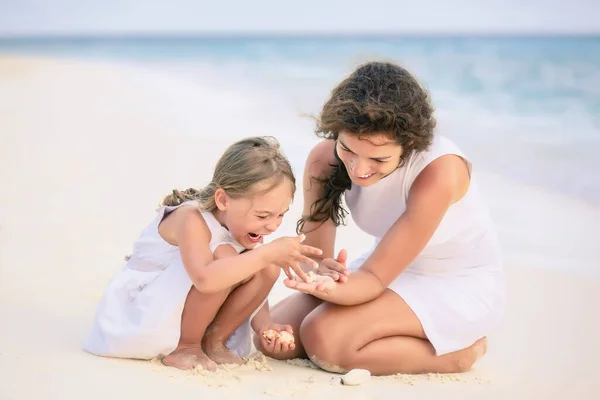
270, 273
196, 298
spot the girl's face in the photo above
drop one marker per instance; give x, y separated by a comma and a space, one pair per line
368, 159
249, 219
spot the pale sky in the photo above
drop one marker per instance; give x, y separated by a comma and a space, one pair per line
18, 17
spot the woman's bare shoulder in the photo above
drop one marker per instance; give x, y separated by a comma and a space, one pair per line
320, 159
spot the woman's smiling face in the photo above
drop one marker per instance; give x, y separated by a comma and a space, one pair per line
368, 158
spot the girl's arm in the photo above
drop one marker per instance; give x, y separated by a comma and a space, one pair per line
186, 228
439, 185
223, 251
208, 274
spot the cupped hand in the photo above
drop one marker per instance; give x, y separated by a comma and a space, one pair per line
276, 344
321, 286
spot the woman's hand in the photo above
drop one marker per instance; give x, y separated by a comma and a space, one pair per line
288, 252
320, 287
335, 268
276, 338
324, 281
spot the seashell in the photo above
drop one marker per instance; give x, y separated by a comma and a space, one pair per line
335, 380
286, 337
356, 377
311, 277
270, 335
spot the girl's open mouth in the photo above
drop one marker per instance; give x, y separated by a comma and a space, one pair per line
254, 237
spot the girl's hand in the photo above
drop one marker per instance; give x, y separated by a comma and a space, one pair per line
288, 252
335, 268
273, 340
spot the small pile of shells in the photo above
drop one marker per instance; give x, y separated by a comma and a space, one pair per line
284, 336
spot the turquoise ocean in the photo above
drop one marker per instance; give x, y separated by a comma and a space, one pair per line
527, 108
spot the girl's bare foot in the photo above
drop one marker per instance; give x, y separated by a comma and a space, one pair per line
189, 357
220, 353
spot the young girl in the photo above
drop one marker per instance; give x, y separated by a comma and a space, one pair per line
184, 294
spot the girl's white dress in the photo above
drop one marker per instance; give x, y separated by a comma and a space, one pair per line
456, 284
139, 315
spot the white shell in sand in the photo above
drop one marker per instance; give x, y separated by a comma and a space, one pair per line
335, 380
356, 377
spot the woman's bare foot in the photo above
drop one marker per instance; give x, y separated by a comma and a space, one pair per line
220, 353
464, 359
189, 357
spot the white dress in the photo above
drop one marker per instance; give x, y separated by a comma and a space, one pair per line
456, 285
139, 315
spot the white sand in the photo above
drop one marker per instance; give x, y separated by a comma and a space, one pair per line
86, 153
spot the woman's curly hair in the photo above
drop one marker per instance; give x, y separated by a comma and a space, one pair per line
377, 98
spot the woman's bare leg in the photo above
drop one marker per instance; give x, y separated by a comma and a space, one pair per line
291, 311
238, 307
384, 336
198, 312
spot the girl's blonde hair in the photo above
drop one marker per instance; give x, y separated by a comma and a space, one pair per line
242, 165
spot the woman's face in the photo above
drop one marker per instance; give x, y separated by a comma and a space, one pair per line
368, 158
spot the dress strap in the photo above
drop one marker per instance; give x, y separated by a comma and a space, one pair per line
220, 234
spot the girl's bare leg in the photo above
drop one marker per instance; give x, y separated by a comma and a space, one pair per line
198, 312
238, 307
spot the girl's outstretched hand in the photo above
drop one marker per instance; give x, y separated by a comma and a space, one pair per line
288, 252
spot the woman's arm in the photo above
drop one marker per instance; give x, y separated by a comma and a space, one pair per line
318, 165
439, 185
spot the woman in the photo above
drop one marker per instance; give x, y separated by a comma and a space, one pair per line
431, 289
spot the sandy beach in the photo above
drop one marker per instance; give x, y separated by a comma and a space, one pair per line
88, 149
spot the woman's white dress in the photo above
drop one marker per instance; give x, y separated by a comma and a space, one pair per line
456, 285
